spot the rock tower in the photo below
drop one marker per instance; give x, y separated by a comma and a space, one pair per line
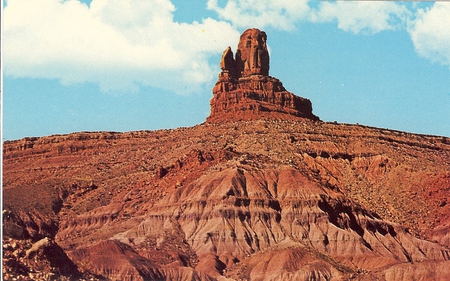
245, 90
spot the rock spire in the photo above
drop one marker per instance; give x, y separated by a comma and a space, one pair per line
245, 90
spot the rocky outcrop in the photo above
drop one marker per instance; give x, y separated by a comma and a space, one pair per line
42, 260
245, 90
252, 56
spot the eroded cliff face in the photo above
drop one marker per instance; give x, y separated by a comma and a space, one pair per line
256, 200
231, 214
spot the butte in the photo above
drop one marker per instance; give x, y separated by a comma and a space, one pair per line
245, 91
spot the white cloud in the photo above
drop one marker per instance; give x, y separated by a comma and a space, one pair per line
113, 43
281, 14
430, 33
359, 16
353, 16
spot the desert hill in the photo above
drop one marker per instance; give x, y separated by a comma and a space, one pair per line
263, 190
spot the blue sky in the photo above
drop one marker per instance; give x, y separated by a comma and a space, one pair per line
103, 65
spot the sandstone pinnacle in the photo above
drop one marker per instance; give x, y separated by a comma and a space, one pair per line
245, 90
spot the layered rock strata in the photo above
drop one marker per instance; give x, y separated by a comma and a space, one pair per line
245, 90
256, 200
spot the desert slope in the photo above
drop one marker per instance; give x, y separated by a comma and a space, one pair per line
225, 199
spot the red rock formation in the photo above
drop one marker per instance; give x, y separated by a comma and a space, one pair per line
246, 91
252, 56
260, 199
